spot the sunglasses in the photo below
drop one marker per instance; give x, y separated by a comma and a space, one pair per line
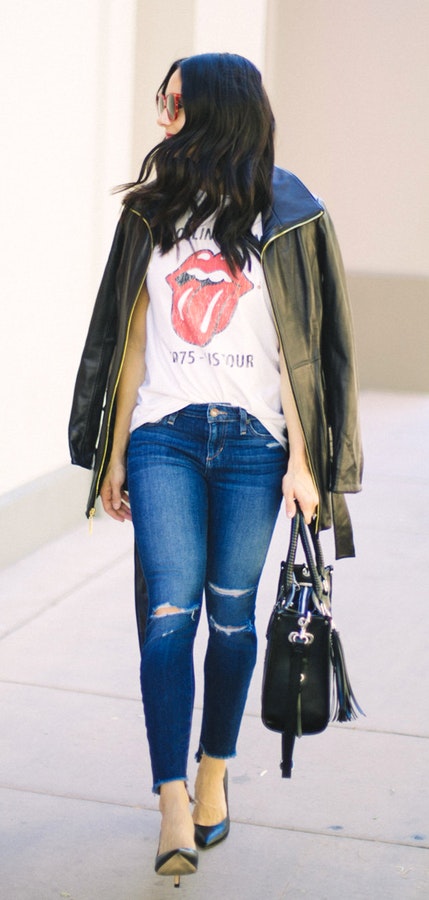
171, 102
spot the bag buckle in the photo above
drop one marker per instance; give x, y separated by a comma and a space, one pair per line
302, 636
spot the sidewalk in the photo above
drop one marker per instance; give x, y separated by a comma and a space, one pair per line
78, 819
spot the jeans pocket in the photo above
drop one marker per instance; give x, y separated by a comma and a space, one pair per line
256, 428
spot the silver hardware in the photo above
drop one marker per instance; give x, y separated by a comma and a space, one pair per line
296, 637
301, 636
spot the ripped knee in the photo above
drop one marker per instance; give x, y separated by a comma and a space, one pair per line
168, 609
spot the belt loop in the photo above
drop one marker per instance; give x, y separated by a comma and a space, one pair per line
243, 421
172, 417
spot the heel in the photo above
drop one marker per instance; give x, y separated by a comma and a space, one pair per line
183, 861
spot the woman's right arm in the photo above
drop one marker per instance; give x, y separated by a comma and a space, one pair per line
113, 497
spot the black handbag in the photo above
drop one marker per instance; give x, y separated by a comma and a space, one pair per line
305, 681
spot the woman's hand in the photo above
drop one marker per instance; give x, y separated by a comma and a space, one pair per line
113, 497
298, 486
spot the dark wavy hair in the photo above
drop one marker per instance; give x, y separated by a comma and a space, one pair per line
225, 150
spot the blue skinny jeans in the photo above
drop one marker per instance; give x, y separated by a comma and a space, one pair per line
205, 491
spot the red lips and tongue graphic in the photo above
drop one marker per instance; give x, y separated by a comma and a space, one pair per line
205, 295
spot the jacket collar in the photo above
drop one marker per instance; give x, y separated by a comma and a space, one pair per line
293, 205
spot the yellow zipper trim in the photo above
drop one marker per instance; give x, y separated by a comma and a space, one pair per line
109, 417
274, 238
91, 515
291, 228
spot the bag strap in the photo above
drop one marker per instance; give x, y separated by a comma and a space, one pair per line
320, 574
316, 577
317, 549
291, 553
315, 563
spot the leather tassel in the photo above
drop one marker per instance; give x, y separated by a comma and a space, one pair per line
346, 707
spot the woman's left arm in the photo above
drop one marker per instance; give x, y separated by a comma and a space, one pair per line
298, 484
113, 495
339, 365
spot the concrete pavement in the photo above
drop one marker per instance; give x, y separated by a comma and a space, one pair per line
78, 819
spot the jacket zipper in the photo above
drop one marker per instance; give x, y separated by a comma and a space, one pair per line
290, 228
270, 241
92, 511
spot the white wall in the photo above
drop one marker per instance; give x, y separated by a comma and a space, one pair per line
350, 86
66, 70
231, 26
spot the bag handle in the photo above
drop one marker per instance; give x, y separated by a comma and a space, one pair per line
313, 555
291, 553
317, 550
316, 576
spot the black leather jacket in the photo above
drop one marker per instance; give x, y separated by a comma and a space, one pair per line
306, 282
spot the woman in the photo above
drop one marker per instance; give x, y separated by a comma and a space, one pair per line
222, 336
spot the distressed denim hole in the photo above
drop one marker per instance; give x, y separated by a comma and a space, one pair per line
167, 609
230, 592
229, 630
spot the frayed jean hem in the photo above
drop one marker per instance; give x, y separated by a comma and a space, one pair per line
201, 750
156, 789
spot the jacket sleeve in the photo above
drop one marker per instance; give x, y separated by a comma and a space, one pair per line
339, 366
92, 376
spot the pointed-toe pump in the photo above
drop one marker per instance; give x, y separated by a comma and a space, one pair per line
208, 835
183, 861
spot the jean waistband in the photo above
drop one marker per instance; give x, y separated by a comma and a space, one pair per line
215, 412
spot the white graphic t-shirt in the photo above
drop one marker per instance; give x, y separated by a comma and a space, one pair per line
211, 336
